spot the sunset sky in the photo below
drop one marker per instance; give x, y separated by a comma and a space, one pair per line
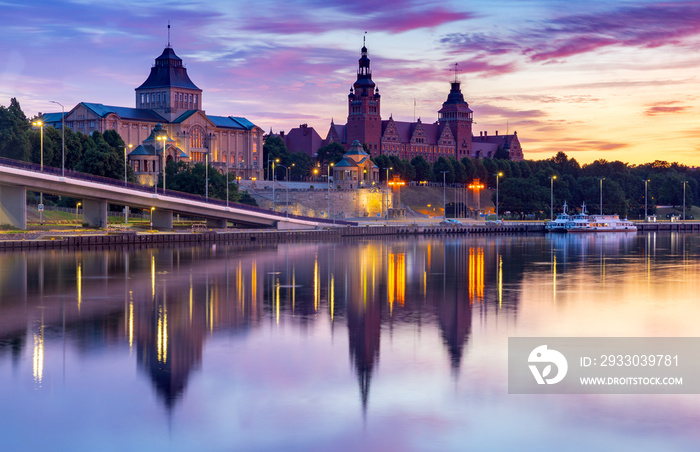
595, 79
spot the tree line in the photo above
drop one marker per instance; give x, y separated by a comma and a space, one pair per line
525, 187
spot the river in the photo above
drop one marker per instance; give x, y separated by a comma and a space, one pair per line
367, 344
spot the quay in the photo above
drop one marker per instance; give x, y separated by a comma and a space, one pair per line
130, 237
134, 238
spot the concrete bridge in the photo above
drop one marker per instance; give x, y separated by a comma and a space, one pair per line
96, 192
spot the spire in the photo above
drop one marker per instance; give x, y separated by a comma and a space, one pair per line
455, 71
169, 34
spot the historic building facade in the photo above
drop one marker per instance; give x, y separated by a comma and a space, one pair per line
169, 116
450, 136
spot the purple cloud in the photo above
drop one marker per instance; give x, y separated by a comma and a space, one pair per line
645, 26
665, 107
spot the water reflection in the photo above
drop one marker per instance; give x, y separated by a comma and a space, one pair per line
168, 304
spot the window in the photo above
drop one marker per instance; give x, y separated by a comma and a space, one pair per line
92, 124
81, 125
195, 101
143, 99
136, 166
197, 138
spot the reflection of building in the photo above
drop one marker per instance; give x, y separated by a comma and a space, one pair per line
450, 136
169, 97
364, 327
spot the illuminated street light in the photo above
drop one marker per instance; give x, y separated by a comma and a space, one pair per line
444, 207
645, 199
77, 223
601, 179
497, 176
684, 182
551, 196
40, 124
63, 138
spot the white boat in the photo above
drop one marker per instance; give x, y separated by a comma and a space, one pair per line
598, 223
559, 223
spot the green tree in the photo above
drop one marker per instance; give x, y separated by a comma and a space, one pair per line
14, 132
524, 197
273, 149
331, 153
461, 176
302, 165
440, 165
422, 168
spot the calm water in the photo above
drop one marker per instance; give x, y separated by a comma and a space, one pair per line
388, 345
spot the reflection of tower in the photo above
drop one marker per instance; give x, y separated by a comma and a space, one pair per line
455, 320
364, 326
454, 311
170, 346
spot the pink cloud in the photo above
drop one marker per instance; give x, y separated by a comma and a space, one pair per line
645, 26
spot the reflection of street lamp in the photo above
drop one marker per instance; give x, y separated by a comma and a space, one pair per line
40, 124
551, 196
76, 215
684, 182
601, 179
444, 207
645, 199
63, 138
497, 176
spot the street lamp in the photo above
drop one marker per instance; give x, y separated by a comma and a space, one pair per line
601, 179
551, 196
40, 124
152, 209
444, 207
497, 176
63, 138
76, 215
330, 165
387, 190
163, 138
125, 148
206, 175
286, 170
646, 182
684, 182
274, 177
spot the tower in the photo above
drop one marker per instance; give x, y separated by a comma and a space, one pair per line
168, 89
364, 119
455, 113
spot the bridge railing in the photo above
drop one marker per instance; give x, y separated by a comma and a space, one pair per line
142, 188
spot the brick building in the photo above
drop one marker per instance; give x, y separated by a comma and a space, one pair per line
170, 106
450, 136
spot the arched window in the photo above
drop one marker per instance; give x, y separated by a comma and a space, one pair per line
197, 137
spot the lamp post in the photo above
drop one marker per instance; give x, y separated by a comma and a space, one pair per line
152, 209
163, 138
498, 175
206, 175
551, 196
125, 148
387, 190
286, 170
227, 157
601, 179
444, 207
684, 182
40, 124
76, 215
63, 138
646, 182
274, 177
330, 165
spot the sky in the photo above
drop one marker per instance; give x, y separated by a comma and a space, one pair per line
614, 80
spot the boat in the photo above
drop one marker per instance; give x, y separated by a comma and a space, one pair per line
559, 223
598, 223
